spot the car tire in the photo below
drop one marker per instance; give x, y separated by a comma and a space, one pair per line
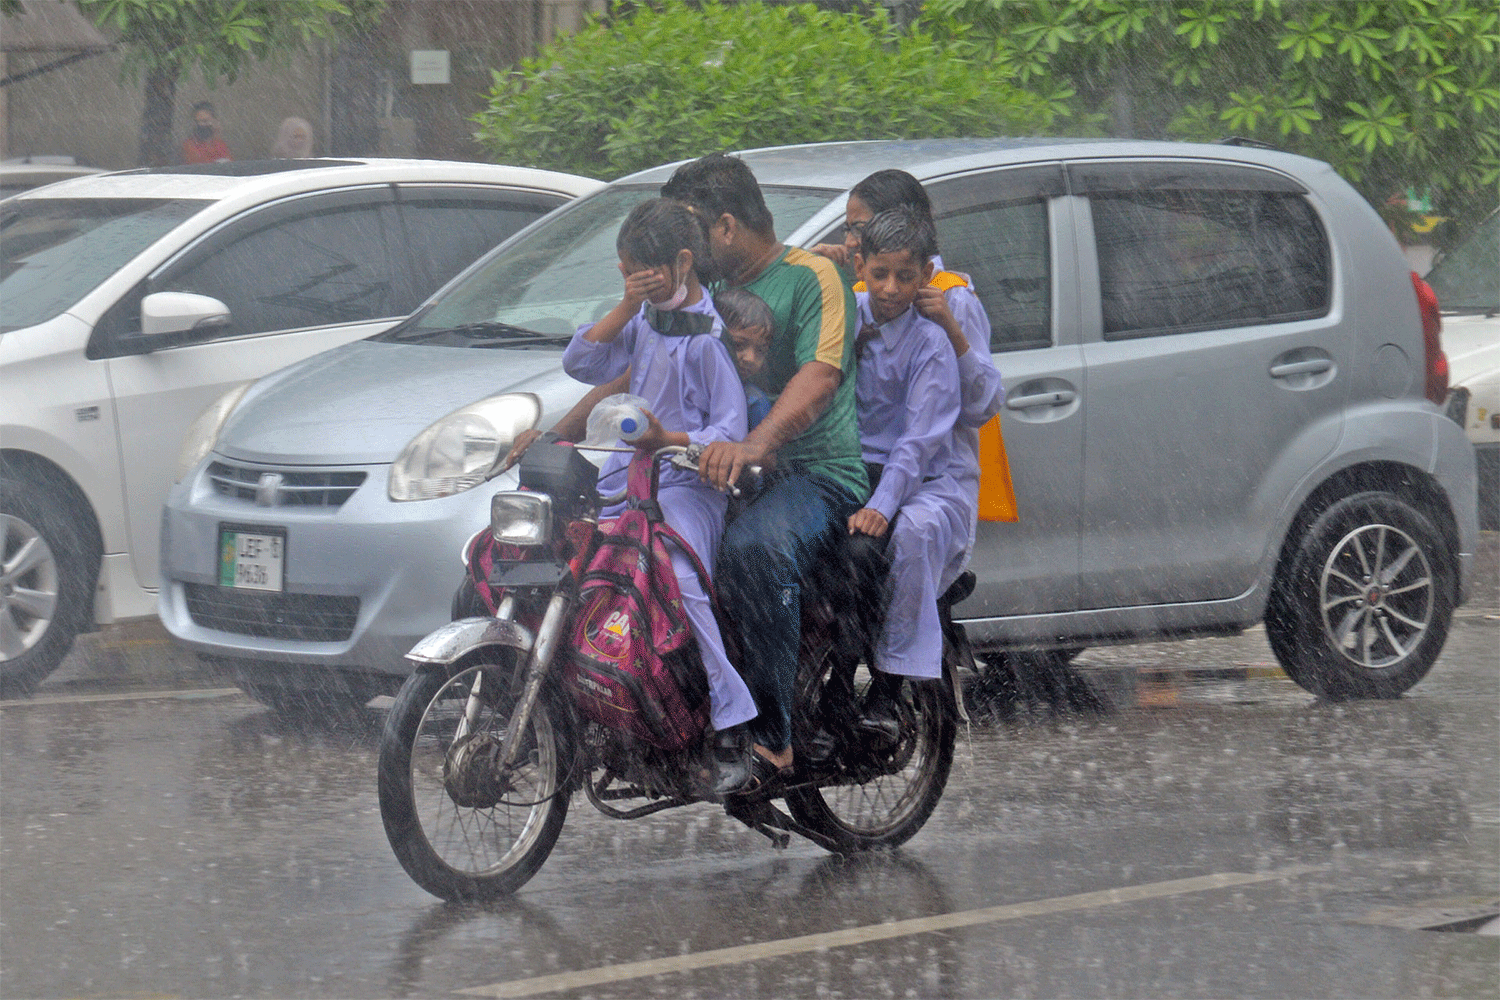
49, 562
1362, 606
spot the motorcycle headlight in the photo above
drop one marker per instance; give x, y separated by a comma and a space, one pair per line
203, 433
521, 518
461, 450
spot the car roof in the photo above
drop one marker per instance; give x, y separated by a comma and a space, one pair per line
260, 179
844, 164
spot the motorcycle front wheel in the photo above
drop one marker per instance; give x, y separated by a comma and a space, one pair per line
882, 803
462, 828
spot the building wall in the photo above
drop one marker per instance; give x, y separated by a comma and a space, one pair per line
88, 111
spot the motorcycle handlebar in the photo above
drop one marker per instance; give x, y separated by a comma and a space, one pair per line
681, 457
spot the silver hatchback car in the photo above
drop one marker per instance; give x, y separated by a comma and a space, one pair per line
1222, 408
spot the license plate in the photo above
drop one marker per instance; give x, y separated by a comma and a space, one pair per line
252, 560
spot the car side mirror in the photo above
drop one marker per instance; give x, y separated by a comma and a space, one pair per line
172, 318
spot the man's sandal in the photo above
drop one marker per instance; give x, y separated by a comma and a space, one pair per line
760, 778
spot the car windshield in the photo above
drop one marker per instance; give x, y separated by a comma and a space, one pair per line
57, 250
561, 274
1468, 279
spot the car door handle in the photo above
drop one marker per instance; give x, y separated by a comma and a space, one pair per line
1057, 397
1312, 366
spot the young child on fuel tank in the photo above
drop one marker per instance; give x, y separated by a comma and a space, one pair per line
907, 387
666, 333
748, 325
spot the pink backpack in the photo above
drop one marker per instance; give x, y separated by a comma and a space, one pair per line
630, 665
629, 662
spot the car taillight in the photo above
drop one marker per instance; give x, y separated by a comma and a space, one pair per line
1436, 362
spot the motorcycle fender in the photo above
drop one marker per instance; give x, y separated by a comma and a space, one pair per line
455, 640
959, 654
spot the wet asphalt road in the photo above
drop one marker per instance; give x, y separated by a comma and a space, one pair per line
1203, 837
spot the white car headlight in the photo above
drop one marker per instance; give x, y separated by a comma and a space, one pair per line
203, 432
461, 450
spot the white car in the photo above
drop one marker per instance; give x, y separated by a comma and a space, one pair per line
130, 301
26, 172
1467, 283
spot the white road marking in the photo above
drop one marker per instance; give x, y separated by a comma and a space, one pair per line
875, 932
181, 694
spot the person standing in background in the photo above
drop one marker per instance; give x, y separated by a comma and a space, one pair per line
294, 140
205, 145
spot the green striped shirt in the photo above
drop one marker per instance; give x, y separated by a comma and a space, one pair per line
815, 318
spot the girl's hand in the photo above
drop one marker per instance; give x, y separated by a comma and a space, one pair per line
868, 521
640, 286
657, 436
933, 304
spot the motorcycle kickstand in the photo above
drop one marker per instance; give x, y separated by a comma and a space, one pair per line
764, 818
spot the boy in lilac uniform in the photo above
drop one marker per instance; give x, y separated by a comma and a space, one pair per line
951, 304
907, 391
666, 333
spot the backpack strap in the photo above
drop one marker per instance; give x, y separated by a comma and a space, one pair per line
638, 487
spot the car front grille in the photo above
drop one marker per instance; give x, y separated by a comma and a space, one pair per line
268, 486
300, 617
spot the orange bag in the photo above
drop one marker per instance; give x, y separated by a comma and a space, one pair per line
997, 495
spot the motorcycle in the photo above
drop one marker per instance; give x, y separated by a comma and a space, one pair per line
484, 749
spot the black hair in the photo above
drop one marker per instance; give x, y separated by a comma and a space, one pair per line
656, 231
741, 310
887, 189
718, 184
205, 106
898, 229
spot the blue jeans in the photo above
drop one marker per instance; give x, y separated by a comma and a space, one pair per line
767, 551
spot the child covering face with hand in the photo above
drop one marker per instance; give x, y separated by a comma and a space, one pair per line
666, 333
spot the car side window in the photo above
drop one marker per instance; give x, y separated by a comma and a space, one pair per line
1175, 260
994, 227
444, 230
315, 262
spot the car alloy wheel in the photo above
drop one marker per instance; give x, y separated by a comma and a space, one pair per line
1376, 595
28, 587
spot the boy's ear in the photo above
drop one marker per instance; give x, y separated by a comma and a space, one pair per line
685, 261
928, 270
859, 265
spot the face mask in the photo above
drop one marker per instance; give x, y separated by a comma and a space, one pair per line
203, 131
677, 299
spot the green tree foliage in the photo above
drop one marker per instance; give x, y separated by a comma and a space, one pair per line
653, 83
164, 40
1393, 93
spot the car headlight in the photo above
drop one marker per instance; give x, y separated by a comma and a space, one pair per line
521, 518
461, 450
203, 432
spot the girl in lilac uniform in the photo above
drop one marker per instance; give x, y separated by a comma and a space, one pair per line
666, 333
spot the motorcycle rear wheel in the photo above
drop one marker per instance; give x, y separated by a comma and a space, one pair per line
460, 829
888, 808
